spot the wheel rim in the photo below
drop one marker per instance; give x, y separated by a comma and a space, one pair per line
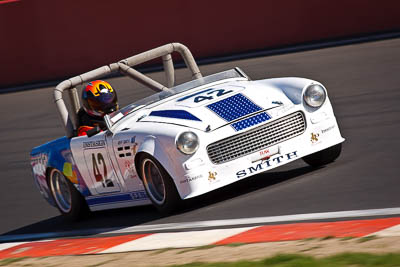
61, 191
153, 181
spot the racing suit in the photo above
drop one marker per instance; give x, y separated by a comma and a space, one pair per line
88, 122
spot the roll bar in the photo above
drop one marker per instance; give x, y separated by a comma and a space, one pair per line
69, 117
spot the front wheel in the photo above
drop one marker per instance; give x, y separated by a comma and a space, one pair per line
159, 186
69, 201
324, 157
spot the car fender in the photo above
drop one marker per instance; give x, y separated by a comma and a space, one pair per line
292, 87
152, 146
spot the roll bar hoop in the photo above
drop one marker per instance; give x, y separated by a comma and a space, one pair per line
69, 117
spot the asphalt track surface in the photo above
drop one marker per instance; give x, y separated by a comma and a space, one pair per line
363, 82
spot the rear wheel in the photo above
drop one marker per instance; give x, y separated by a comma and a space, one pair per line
159, 185
69, 201
324, 157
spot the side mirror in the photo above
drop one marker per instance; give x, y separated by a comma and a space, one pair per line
93, 131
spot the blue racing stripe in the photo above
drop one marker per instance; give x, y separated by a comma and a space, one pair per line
176, 114
108, 199
133, 196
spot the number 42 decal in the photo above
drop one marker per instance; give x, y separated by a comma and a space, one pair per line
101, 177
207, 94
211, 94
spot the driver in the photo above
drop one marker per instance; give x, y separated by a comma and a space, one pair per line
98, 99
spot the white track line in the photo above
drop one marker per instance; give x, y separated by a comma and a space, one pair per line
259, 220
213, 223
10, 245
391, 231
177, 240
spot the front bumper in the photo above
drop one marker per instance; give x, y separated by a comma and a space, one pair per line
201, 175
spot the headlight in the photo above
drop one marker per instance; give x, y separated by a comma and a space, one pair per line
187, 142
315, 95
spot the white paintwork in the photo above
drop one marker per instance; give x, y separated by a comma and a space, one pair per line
156, 136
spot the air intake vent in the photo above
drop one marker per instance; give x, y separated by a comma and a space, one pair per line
257, 139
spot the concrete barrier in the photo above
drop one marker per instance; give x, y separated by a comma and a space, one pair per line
45, 40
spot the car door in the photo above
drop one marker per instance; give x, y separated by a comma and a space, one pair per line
93, 160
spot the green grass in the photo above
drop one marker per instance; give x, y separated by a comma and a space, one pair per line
346, 238
197, 248
366, 238
312, 248
101, 263
211, 246
327, 237
296, 260
233, 245
159, 251
10, 260
309, 239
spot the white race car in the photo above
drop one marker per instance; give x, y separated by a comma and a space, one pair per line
184, 141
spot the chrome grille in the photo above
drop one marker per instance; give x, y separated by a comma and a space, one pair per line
257, 139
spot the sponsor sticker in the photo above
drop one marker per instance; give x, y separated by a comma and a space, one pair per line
212, 177
265, 154
40, 159
327, 129
123, 142
266, 164
134, 148
93, 144
130, 172
139, 195
191, 179
39, 165
315, 138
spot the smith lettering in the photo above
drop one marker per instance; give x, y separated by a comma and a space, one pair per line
266, 164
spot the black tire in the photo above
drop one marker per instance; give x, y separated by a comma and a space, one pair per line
159, 186
68, 200
324, 157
